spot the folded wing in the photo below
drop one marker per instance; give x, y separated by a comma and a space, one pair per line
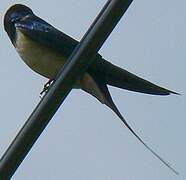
118, 77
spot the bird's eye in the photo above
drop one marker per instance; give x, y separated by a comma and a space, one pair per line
14, 17
13, 20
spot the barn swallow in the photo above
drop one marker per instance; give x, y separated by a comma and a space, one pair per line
45, 50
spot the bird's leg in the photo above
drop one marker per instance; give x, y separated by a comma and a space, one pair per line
46, 87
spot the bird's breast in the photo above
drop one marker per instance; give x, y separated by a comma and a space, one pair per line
39, 58
47, 63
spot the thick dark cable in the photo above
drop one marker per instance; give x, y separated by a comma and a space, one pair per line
77, 64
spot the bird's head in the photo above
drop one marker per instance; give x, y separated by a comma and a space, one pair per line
15, 13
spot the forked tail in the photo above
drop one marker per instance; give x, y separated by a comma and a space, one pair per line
114, 108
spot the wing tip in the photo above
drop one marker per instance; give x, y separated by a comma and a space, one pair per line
173, 92
162, 91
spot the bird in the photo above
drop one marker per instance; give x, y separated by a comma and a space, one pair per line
45, 50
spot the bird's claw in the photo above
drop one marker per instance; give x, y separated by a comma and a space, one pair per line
46, 88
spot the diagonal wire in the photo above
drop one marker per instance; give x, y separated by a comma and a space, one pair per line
76, 65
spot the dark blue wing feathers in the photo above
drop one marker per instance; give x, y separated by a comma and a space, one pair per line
45, 34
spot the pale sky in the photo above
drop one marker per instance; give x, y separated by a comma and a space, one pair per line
85, 140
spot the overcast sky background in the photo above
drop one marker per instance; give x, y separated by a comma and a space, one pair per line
85, 140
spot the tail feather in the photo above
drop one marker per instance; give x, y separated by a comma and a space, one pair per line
88, 84
106, 99
109, 102
111, 105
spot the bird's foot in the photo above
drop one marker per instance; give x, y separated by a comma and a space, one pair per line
46, 88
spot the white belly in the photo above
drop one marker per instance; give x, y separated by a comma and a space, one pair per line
37, 57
